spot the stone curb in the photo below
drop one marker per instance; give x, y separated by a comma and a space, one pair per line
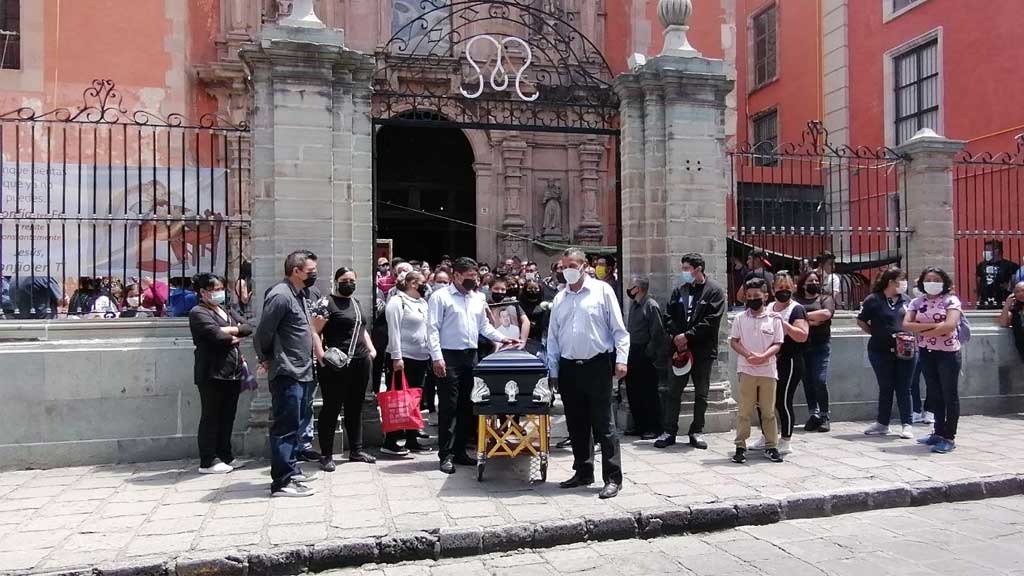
458, 542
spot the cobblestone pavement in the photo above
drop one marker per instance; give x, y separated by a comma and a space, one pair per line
85, 516
978, 538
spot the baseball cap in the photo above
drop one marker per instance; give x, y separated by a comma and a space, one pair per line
681, 363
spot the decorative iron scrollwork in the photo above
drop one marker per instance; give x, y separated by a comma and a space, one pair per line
102, 104
541, 72
814, 141
1006, 158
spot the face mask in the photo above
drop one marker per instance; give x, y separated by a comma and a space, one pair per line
933, 288
902, 286
783, 295
133, 301
812, 289
497, 297
469, 284
217, 297
755, 304
440, 286
513, 293
601, 271
988, 255
310, 280
531, 275
422, 289
686, 277
572, 275
632, 293
346, 288
531, 296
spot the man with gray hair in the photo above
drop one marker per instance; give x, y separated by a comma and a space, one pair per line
646, 342
588, 344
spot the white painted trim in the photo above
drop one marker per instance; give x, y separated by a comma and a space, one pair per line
888, 14
888, 82
29, 78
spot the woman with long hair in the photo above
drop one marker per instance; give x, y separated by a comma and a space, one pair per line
790, 359
346, 363
408, 349
881, 316
217, 332
818, 350
935, 318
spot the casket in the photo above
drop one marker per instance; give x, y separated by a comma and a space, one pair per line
511, 382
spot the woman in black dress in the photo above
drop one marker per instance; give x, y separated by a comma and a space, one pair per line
344, 329
216, 333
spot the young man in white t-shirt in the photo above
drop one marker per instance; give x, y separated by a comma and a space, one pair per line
756, 336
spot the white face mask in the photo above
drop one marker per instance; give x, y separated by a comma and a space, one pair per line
572, 275
133, 301
902, 286
933, 288
988, 255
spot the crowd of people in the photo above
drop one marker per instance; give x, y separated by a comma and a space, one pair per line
429, 326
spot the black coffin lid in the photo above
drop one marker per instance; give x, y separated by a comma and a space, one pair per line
511, 362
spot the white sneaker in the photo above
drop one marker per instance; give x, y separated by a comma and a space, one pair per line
305, 477
759, 445
294, 490
218, 468
917, 418
929, 418
785, 447
907, 432
876, 429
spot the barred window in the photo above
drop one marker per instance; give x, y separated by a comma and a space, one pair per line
10, 34
765, 46
917, 90
780, 208
766, 138
898, 5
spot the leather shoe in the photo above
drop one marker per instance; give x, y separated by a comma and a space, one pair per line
576, 481
697, 441
447, 466
610, 490
464, 460
648, 436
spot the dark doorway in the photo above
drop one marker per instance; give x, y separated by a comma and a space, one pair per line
426, 192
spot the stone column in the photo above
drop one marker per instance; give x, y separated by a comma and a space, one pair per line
590, 231
929, 198
675, 177
311, 177
513, 159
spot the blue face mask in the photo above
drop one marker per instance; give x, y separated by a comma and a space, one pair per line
686, 278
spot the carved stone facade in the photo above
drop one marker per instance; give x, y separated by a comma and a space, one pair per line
514, 169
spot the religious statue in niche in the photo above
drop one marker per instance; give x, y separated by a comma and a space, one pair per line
552, 202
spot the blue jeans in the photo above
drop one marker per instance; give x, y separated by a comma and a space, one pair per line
816, 360
286, 399
942, 377
893, 377
306, 440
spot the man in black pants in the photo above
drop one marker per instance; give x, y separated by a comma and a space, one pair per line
695, 313
457, 319
587, 343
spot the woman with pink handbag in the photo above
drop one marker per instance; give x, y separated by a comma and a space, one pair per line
407, 347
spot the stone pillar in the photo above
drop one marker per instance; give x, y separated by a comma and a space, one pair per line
513, 159
675, 176
590, 231
929, 198
311, 159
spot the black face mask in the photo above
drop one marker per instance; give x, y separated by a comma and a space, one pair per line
531, 296
422, 289
812, 289
755, 304
784, 295
497, 297
310, 280
632, 294
469, 284
513, 293
346, 288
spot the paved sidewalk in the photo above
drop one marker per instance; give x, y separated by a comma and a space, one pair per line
968, 539
80, 517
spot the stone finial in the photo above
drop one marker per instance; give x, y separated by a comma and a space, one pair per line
675, 16
297, 13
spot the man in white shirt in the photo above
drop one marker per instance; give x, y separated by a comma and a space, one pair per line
587, 344
457, 319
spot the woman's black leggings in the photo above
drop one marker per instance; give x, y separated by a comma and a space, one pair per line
791, 372
343, 387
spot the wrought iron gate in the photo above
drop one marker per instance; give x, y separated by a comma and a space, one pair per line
99, 197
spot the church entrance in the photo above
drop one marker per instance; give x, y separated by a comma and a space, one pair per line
426, 192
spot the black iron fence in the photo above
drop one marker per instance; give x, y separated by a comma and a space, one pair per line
796, 201
988, 208
109, 213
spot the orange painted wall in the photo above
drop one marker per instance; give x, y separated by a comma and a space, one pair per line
981, 58
796, 93
705, 30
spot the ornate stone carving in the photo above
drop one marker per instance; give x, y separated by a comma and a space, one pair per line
675, 16
552, 202
590, 230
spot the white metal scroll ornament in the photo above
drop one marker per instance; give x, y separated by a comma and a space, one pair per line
499, 79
